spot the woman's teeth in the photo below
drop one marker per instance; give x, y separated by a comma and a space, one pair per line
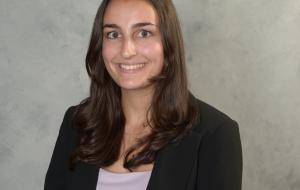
132, 67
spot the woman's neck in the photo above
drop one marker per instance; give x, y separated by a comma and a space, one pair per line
135, 105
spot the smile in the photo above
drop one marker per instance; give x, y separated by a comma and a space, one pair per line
132, 67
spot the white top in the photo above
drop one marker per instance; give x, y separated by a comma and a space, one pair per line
126, 181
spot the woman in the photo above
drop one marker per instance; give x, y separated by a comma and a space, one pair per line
140, 128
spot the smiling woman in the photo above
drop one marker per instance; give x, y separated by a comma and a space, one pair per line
140, 127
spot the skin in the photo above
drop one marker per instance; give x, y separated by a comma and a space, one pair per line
131, 37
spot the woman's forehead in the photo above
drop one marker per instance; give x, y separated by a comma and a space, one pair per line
130, 12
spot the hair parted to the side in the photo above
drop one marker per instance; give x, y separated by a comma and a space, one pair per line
99, 119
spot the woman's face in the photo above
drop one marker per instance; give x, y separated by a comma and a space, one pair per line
132, 47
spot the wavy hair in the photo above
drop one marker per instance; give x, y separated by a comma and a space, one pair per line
99, 119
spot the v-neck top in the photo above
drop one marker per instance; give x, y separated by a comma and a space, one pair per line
126, 181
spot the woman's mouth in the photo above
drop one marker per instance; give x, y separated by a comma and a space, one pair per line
131, 67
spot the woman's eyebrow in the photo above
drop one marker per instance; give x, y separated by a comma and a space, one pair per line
137, 25
110, 26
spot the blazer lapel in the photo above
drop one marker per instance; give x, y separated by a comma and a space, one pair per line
174, 164
85, 177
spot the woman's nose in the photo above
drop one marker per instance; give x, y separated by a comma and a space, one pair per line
128, 48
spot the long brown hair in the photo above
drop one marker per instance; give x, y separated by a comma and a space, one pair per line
99, 119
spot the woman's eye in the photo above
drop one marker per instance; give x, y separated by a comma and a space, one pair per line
144, 34
112, 35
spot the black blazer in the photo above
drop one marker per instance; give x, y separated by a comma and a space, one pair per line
208, 158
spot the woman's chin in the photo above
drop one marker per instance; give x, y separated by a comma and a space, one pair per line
135, 87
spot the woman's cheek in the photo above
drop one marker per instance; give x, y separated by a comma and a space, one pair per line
109, 50
153, 49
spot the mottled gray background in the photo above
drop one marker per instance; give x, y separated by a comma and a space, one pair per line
243, 58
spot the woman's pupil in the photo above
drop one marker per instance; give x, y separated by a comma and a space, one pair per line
144, 33
115, 35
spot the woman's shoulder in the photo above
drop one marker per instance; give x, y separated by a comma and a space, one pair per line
210, 118
66, 128
69, 114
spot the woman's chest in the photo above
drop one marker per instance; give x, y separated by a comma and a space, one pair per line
118, 167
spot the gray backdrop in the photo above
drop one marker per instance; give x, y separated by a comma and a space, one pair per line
243, 58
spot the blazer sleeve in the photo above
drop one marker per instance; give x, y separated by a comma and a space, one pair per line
56, 174
220, 160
